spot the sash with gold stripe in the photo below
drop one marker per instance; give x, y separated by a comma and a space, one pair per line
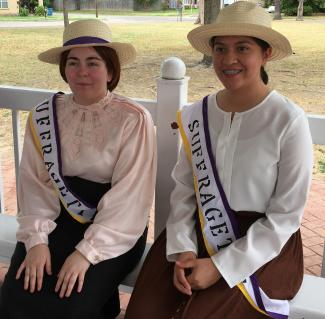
218, 223
44, 127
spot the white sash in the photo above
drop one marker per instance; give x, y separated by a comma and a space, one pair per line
44, 126
218, 224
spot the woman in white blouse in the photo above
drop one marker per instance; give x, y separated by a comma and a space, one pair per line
86, 184
233, 229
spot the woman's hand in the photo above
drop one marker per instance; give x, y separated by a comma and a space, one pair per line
73, 269
36, 259
203, 272
180, 281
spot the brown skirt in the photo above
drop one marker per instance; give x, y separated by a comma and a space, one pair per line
155, 297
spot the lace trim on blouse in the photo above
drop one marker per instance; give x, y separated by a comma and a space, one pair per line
82, 125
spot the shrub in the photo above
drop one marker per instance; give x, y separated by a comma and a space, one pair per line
23, 12
308, 10
39, 11
29, 4
46, 3
146, 4
268, 3
292, 11
288, 6
165, 5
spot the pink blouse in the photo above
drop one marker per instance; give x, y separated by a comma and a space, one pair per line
112, 141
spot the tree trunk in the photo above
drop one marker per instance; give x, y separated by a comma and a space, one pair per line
277, 10
211, 11
65, 13
78, 4
96, 6
300, 11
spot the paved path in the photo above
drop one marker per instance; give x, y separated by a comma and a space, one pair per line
113, 19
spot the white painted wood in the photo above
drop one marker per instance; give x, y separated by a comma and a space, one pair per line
8, 229
317, 128
171, 96
2, 207
309, 302
323, 263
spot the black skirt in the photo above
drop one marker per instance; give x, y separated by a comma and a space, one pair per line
99, 297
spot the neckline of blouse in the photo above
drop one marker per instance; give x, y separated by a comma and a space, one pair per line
257, 106
100, 105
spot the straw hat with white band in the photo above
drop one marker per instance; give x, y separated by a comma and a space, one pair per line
242, 18
89, 33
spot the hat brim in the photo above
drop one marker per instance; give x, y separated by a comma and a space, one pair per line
200, 37
125, 52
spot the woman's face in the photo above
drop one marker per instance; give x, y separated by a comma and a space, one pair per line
87, 75
237, 61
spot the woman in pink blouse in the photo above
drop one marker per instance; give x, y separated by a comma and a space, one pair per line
86, 184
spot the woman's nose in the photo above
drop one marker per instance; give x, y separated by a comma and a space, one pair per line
230, 57
83, 70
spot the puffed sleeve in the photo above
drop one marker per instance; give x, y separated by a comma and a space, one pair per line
123, 211
181, 234
38, 203
266, 237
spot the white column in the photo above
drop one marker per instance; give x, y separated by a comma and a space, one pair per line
171, 96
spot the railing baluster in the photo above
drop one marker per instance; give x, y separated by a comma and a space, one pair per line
2, 203
16, 137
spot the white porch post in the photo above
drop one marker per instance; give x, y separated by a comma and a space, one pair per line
171, 96
2, 207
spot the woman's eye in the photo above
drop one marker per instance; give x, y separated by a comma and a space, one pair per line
71, 63
93, 64
219, 49
242, 49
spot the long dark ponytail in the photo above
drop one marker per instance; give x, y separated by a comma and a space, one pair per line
264, 45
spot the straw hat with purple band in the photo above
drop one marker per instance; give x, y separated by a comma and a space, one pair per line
86, 33
242, 18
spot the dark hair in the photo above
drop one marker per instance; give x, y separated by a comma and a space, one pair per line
264, 46
112, 63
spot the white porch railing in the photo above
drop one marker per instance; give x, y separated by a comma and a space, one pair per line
171, 96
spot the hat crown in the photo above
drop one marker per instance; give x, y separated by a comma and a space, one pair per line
244, 12
87, 28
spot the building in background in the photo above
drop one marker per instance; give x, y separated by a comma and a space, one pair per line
8, 7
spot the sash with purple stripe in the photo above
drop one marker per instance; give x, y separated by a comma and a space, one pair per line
44, 126
218, 223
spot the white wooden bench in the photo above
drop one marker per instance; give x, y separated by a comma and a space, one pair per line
171, 96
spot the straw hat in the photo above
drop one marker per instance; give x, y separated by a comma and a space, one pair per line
242, 18
86, 33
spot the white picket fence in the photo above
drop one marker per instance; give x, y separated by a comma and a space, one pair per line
172, 89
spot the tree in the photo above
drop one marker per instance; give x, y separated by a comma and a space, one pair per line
300, 11
210, 13
200, 19
29, 4
277, 11
96, 7
78, 4
65, 13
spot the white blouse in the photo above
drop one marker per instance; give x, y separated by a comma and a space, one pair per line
264, 160
112, 141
